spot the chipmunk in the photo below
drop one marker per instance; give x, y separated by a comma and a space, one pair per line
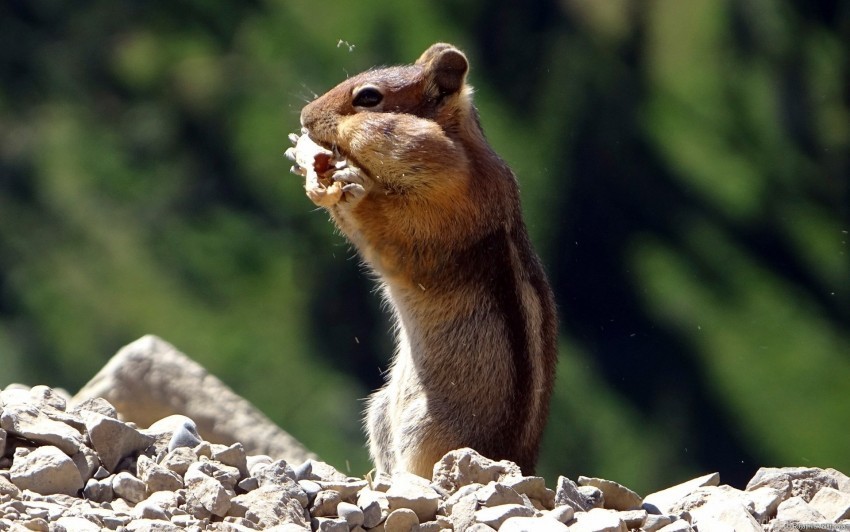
399, 159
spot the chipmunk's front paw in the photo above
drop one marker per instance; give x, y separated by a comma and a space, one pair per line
354, 183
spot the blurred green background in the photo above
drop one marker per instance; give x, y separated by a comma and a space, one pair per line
684, 169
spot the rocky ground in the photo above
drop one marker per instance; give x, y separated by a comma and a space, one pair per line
78, 465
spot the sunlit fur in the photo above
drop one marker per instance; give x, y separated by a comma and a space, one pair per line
441, 226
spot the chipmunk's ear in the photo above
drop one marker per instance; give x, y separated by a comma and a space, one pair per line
446, 68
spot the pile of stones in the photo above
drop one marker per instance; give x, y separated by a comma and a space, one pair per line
81, 468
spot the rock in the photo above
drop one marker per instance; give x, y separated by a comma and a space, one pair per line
724, 512
798, 481
179, 460
374, 505
680, 525
832, 504
46, 470
8, 489
495, 516
567, 493
347, 489
329, 524
534, 487
797, 509
157, 506
763, 502
661, 501
149, 379
352, 514
185, 435
616, 496
207, 490
75, 524
401, 520
414, 493
281, 476
655, 522
128, 487
27, 421
325, 503
98, 405
598, 520
87, 462
269, 506
563, 514
113, 439
233, 456
495, 494
593, 496
46, 396
151, 525
157, 477
99, 490
632, 518
532, 524
251, 483
465, 466
462, 510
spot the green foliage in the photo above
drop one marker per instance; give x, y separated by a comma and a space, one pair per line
684, 170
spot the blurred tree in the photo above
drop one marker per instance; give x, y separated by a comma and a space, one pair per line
685, 169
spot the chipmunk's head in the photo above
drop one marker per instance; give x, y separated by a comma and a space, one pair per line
433, 88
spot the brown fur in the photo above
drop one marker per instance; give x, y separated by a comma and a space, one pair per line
440, 222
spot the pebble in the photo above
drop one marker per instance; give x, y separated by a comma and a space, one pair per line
97, 472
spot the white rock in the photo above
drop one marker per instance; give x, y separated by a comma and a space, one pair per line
534, 487
207, 490
664, 499
374, 505
680, 525
157, 477
833, 504
325, 503
329, 524
532, 524
724, 513
496, 493
598, 520
616, 496
495, 516
179, 460
655, 522
797, 509
401, 520
269, 506
352, 514
465, 466
763, 502
413, 494
233, 456
46, 470
563, 514
46, 396
27, 421
798, 481
128, 487
75, 524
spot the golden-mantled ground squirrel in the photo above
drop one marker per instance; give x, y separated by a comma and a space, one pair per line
398, 158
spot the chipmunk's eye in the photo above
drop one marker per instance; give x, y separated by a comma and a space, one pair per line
368, 96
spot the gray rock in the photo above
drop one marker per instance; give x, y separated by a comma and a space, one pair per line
99, 490
269, 506
401, 520
462, 511
128, 487
532, 524
46, 396
113, 439
567, 493
304, 471
74, 524
8, 489
151, 525
27, 421
616, 496
832, 504
149, 379
329, 524
352, 514
414, 493
185, 435
593, 496
598, 520
251, 483
679, 526
374, 505
633, 518
465, 466
46, 470
661, 501
347, 489
87, 462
